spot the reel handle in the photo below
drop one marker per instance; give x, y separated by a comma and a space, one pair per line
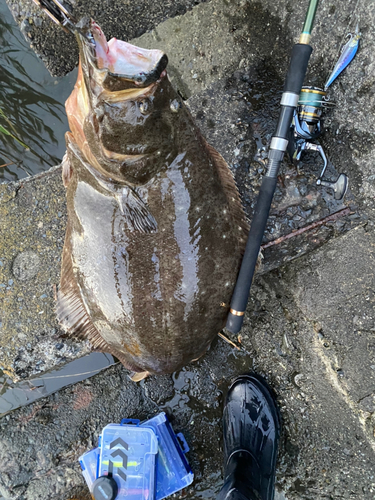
340, 186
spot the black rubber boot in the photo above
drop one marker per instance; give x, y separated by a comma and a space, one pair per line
251, 426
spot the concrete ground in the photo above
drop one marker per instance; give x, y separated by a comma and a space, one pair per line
309, 327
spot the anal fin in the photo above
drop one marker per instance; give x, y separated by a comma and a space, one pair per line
70, 309
74, 317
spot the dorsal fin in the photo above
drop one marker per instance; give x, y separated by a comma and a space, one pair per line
229, 184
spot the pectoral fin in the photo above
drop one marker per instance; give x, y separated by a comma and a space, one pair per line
137, 215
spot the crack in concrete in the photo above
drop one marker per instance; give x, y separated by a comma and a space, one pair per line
332, 378
364, 397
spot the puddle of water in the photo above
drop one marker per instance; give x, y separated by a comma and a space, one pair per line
195, 406
26, 392
31, 106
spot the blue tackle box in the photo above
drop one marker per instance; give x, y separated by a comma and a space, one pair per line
128, 454
90, 466
170, 473
173, 472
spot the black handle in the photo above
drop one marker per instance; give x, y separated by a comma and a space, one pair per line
241, 291
297, 68
292, 88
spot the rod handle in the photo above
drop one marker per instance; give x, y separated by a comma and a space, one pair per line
297, 68
245, 277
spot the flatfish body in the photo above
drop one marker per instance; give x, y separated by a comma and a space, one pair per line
155, 230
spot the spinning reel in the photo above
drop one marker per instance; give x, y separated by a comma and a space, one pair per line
306, 128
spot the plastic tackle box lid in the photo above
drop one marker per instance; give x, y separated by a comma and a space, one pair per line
89, 464
128, 453
173, 472
172, 469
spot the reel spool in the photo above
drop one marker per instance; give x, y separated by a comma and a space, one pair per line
311, 104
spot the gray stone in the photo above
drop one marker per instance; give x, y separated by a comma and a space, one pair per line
26, 265
367, 404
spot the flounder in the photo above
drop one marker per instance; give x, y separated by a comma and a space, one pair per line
155, 231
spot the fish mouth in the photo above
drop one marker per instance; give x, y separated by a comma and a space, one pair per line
125, 65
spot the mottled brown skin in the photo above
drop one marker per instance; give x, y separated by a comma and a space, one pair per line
154, 242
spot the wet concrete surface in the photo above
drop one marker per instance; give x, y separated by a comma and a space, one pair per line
338, 300
232, 112
32, 221
328, 298
310, 322
124, 20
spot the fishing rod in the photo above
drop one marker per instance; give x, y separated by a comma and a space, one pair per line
292, 88
59, 14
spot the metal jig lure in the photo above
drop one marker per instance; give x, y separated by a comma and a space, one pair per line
348, 52
59, 14
306, 126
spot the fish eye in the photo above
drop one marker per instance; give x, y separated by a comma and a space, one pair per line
145, 106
